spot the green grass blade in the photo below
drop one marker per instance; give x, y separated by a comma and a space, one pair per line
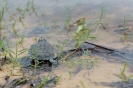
44, 82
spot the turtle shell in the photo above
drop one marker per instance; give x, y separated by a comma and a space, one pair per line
42, 50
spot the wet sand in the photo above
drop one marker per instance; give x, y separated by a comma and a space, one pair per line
105, 75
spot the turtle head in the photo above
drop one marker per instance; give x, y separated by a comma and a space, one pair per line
41, 39
54, 61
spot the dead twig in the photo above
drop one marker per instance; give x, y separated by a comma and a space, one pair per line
68, 55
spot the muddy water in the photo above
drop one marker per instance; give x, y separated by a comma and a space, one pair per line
50, 16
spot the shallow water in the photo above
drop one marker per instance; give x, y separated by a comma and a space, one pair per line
50, 16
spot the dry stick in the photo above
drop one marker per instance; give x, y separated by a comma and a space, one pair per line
66, 57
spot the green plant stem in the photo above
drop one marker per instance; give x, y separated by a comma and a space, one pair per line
82, 84
1, 15
124, 23
101, 16
101, 13
1, 18
16, 50
44, 82
124, 68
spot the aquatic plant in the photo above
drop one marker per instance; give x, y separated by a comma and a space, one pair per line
54, 24
1, 16
101, 20
124, 28
13, 28
82, 84
19, 10
68, 19
61, 46
124, 23
33, 7
101, 16
23, 25
83, 61
13, 55
23, 14
36, 62
2, 49
1, 19
82, 34
17, 51
44, 81
70, 75
123, 75
28, 7
89, 61
57, 79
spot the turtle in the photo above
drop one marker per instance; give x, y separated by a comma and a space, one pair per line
41, 51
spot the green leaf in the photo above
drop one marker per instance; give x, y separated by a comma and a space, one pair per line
44, 81
22, 51
80, 28
21, 40
10, 54
92, 37
12, 51
129, 77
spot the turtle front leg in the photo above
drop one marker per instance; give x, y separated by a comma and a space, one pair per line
54, 62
